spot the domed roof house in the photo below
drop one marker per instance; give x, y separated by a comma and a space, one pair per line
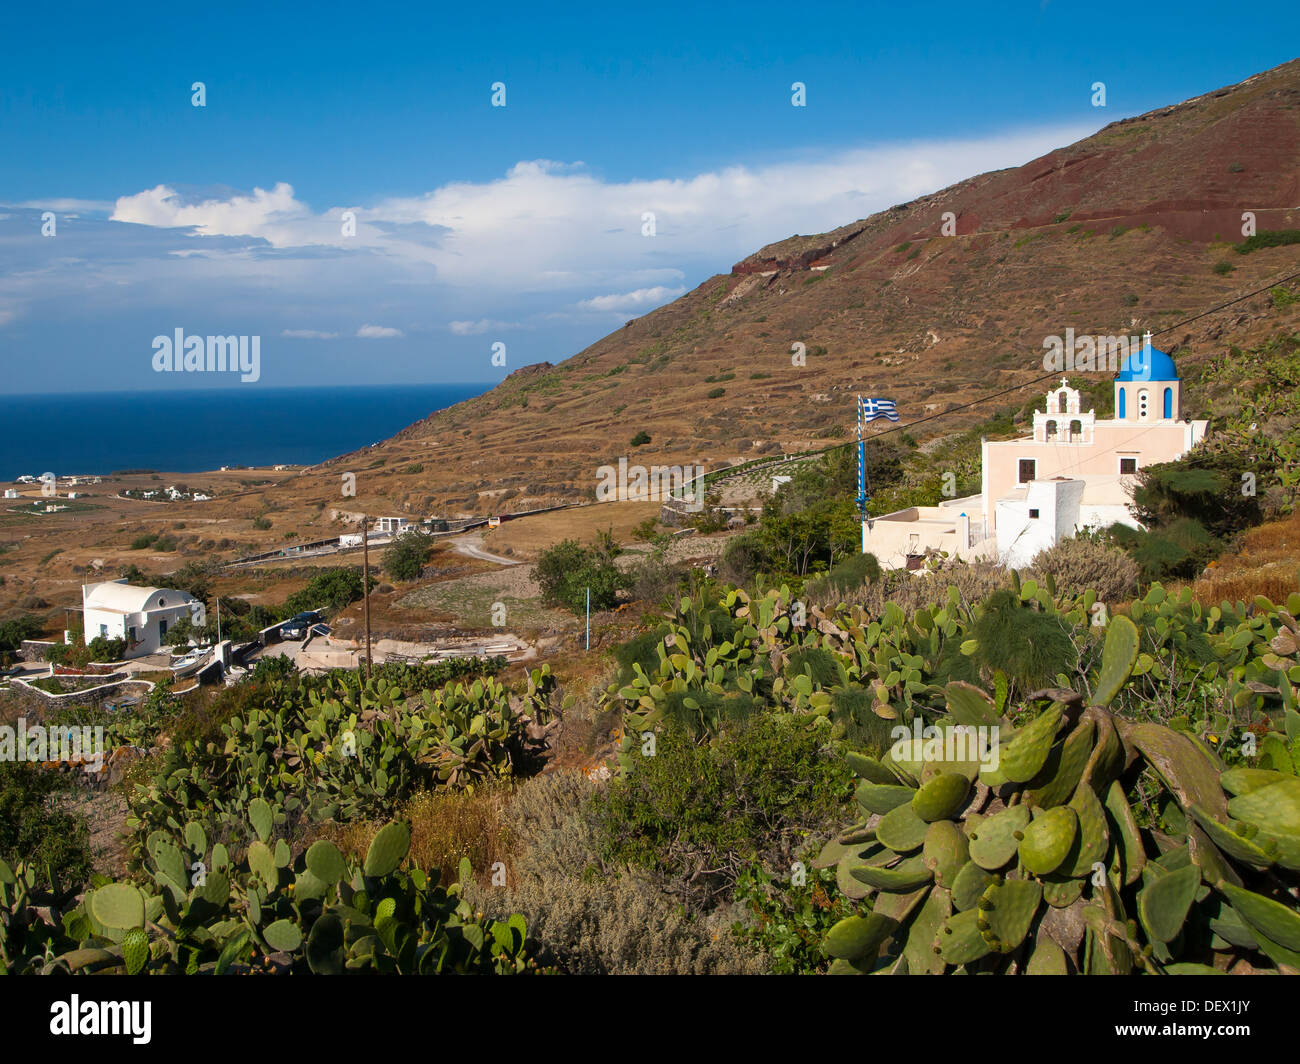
115, 609
1075, 472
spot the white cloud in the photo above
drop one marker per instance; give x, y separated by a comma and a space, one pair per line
378, 332
71, 206
475, 328
630, 302
308, 334
546, 226
275, 216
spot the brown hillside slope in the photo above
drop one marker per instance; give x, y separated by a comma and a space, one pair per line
1117, 233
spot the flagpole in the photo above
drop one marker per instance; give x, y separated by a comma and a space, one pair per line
862, 477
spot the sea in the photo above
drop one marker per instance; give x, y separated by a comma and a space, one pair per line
197, 431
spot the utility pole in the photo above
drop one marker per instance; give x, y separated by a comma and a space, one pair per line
588, 618
365, 582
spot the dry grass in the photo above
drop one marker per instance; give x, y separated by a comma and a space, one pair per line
1265, 564
529, 536
445, 826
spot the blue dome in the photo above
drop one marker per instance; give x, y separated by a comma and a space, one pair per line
1148, 365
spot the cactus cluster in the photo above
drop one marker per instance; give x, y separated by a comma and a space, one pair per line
270, 912
329, 749
1034, 860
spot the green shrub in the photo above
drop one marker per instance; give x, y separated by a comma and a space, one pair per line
715, 393
847, 577
1029, 646
404, 558
1269, 238
694, 815
34, 829
567, 570
641, 439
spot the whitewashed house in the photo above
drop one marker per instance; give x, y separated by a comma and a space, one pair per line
140, 615
1074, 473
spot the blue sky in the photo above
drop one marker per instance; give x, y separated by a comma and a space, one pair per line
518, 224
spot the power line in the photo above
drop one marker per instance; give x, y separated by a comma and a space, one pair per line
1047, 376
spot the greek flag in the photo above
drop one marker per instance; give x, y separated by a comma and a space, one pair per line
870, 409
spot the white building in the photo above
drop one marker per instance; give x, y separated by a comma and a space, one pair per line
140, 615
391, 525
1075, 472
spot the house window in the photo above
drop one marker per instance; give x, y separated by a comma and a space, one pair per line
103, 630
1128, 465
1033, 515
1123, 402
1028, 469
1169, 402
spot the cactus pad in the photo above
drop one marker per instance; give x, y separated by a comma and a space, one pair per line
901, 829
855, 937
946, 851
1048, 840
326, 862
993, 842
1023, 756
1005, 912
941, 797
1164, 902
388, 849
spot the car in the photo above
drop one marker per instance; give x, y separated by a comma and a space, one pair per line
297, 626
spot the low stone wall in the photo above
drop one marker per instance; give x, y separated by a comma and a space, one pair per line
33, 650
94, 696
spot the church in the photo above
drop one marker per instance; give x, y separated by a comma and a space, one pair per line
1075, 472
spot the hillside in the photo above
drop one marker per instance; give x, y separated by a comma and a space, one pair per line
1131, 229
1117, 233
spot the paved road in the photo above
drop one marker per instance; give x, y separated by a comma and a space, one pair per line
472, 545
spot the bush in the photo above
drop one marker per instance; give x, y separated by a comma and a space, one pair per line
586, 920
641, 439
645, 531
405, 557
715, 393
568, 569
851, 574
34, 829
331, 589
1079, 565
261, 523
694, 816
1029, 646
15, 630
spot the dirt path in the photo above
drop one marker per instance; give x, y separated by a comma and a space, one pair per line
473, 546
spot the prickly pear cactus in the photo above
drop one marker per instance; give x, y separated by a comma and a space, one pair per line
1018, 851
